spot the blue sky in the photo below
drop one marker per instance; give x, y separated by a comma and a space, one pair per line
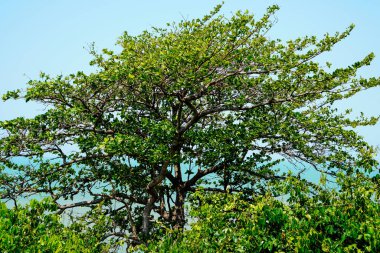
50, 36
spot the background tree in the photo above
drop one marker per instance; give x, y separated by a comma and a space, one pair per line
212, 102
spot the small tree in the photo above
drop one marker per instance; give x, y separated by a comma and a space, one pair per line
212, 102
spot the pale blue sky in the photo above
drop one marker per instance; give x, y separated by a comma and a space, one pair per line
50, 36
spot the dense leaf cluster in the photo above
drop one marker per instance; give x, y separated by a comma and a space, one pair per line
36, 228
347, 220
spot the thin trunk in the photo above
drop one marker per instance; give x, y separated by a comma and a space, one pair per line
179, 210
146, 214
132, 224
226, 179
153, 196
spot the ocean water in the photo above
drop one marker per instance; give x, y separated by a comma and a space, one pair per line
309, 173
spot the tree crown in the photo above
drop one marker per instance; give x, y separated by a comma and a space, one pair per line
211, 102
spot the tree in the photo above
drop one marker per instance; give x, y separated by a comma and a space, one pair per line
211, 102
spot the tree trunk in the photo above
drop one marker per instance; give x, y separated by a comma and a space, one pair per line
153, 196
146, 214
179, 209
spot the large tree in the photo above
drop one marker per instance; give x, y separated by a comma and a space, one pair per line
211, 102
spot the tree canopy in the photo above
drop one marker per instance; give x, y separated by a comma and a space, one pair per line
213, 102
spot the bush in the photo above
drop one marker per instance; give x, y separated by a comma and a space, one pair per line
343, 219
36, 228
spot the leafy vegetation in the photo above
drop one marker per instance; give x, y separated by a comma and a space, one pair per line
36, 228
347, 220
212, 103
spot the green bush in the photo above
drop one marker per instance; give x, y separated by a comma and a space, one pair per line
344, 219
36, 228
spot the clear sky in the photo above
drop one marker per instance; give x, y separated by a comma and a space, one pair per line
51, 36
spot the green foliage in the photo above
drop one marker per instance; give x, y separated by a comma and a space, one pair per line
212, 102
35, 228
347, 220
